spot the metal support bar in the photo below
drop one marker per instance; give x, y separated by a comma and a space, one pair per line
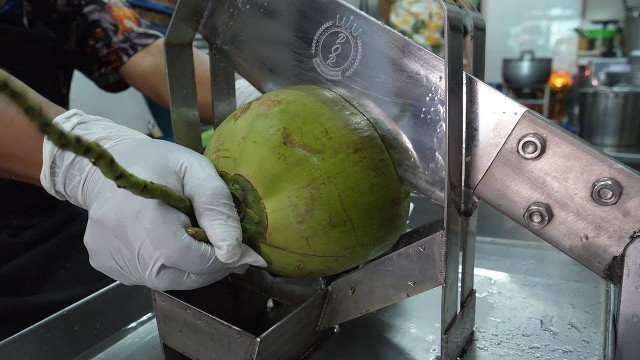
460, 203
628, 317
469, 221
178, 46
454, 177
223, 89
477, 37
539, 180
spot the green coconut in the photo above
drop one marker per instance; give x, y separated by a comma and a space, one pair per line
314, 186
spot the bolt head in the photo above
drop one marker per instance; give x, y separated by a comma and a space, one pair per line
531, 146
606, 191
538, 215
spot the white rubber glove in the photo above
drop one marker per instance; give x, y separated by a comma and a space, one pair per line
245, 92
139, 241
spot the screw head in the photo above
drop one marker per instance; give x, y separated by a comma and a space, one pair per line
538, 215
606, 191
531, 146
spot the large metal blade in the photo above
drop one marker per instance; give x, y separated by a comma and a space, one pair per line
396, 83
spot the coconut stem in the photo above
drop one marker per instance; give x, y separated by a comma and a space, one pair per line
251, 209
98, 155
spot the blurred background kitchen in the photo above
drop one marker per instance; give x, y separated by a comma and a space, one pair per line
575, 61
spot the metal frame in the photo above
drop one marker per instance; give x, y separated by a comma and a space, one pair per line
628, 312
459, 210
183, 99
489, 145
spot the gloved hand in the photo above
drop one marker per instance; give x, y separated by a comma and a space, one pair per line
140, 241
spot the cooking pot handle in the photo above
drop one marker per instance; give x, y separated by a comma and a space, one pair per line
527, 55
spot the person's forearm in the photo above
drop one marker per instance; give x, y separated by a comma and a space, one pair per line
20, 141
146, 71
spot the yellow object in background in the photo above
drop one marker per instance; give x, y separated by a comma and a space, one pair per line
420, 21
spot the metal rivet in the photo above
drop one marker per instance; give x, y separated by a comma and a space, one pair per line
538, 215
531, 146
606, 191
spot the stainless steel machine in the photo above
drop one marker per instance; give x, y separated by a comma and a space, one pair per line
453, 139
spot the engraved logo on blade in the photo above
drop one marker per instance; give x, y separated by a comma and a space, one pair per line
337, 48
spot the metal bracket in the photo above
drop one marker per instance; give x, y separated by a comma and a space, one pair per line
183, 97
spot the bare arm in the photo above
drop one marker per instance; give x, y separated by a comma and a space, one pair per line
20, 141
146, 71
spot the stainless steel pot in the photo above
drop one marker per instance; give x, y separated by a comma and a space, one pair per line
526, 71
610, 116
632, 30
620, 78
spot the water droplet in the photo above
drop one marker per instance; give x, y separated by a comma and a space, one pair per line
584, 238
434, 349
634, 317
352, 291
430, 338
535, 346
566, 349
406, 294
492, 281
421, 247
411, 283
